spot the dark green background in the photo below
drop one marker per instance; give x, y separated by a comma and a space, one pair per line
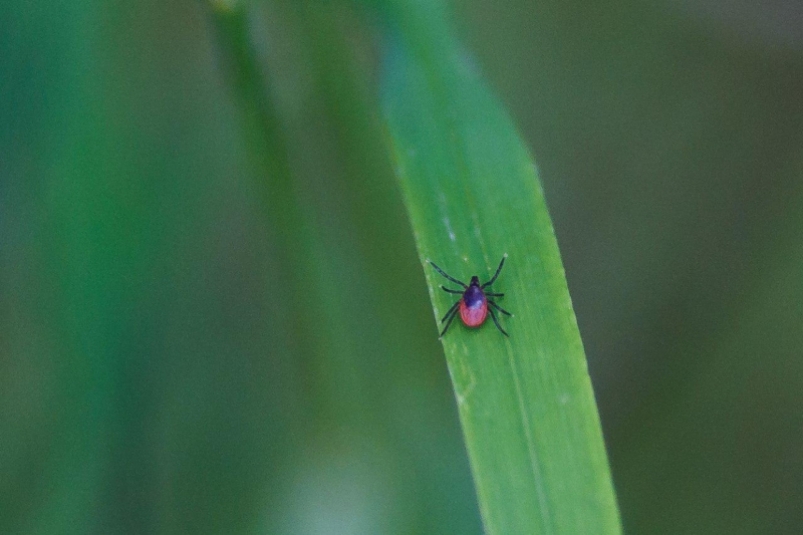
174, 360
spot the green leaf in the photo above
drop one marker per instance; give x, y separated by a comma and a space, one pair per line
526, 404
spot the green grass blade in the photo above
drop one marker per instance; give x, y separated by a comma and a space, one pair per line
526, 404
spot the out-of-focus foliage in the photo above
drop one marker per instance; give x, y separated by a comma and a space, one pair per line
162, 372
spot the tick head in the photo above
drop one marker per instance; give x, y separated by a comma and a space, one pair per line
475, 281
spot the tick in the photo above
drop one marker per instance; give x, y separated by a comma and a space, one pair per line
473, 302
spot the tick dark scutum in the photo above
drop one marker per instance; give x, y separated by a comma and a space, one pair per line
473, 304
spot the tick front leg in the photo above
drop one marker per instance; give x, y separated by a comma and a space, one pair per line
498, 270
442, 272
489, 294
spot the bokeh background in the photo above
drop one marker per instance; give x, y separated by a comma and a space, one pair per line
181, 354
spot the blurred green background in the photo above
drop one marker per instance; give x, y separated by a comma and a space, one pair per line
175, 359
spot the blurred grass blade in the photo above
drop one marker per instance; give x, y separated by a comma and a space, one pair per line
526, 404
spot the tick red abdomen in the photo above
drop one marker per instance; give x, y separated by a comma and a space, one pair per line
473, 307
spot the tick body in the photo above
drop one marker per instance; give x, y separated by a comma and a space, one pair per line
473, 305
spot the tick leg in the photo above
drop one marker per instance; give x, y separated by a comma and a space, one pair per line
496, 322
454, 313
502, 263
451, 311
497, 307
445, 289
489, 294
442, 272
